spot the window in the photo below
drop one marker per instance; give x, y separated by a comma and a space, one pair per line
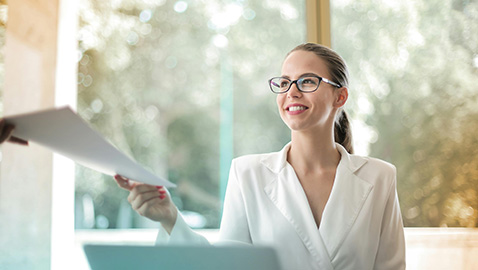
414, 68
180, 86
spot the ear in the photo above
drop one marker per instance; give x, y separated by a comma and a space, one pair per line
341, 96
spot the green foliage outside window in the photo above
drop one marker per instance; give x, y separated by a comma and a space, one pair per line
150, 78
154, 78
414, 67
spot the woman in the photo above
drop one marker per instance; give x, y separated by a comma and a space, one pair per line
320, 206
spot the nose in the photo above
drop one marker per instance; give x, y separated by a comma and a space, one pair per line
294, 91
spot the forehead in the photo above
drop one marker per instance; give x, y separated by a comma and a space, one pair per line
301, 62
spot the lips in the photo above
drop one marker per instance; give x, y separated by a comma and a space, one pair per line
296, 107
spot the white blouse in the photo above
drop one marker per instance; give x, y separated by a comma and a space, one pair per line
265, 204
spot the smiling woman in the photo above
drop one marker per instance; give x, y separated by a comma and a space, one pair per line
338, 71
319, 206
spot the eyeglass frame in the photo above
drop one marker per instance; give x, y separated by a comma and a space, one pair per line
301, 78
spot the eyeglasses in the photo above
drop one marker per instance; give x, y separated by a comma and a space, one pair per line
308, 84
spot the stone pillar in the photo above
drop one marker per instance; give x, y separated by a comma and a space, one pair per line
40, 73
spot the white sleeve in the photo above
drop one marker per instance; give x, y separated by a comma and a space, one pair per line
234, 224
391, 250
181, 234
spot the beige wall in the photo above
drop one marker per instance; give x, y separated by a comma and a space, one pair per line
32, 70
442, 248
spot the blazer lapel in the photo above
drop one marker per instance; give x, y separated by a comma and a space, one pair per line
288, 196
347, 198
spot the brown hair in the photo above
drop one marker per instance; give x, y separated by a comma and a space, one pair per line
339, 74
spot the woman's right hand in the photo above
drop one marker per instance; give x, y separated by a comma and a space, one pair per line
150, 201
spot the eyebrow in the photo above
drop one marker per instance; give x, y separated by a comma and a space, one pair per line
303, 75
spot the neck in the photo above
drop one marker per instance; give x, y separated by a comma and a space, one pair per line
313, 151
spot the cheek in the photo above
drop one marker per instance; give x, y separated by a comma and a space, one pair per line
280, 104
280, 101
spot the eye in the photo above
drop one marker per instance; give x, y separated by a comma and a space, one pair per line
309, 81
284, 83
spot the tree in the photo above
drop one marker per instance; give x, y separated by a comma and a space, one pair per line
415, 64
150, 78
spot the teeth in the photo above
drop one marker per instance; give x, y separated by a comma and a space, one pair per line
297, 108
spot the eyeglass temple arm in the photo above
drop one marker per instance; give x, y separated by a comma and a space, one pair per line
331, 82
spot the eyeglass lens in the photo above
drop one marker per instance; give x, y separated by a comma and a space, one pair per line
305, 84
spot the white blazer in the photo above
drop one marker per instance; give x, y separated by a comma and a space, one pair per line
265, 204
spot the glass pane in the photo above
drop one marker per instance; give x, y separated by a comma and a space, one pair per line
181, 86
414, 67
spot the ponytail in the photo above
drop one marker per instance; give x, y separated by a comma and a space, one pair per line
343, 131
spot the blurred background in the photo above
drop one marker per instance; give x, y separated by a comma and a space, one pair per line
181, 87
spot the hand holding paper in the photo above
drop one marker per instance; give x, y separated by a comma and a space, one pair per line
149, 201
64, 132
6, 131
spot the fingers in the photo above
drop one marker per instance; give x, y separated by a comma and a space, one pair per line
143, 198
143, 192
148, 200
162, 192
124, 182
2, 123
5, 131
17, 140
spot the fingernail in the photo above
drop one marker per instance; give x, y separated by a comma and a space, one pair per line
162, 196
159, 186
162, 191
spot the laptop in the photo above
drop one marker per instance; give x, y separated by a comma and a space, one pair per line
117, 257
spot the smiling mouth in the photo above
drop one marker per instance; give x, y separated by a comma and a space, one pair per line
296, 108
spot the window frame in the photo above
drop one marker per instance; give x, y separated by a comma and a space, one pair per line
318, 22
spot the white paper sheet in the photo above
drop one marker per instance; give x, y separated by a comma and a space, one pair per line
64, 132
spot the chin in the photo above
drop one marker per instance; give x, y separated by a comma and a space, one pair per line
296, 127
